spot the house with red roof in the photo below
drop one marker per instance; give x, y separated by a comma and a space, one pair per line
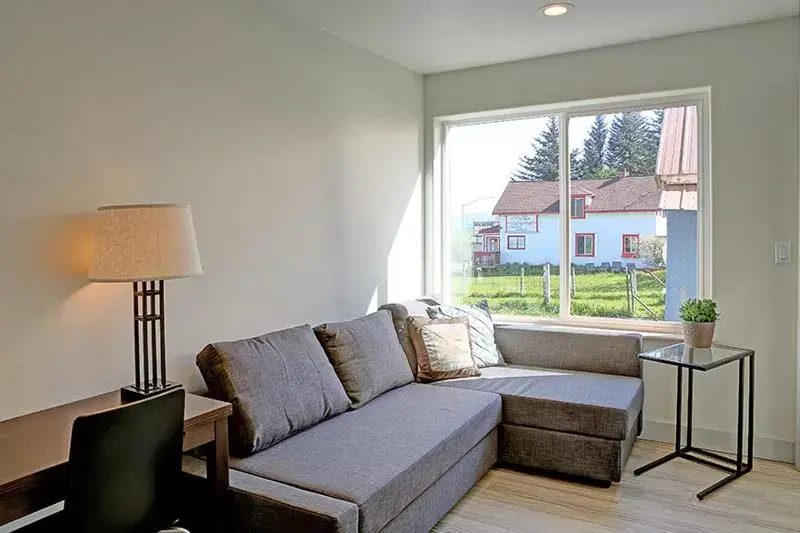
609, 218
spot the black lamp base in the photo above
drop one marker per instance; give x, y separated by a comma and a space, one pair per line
149, 346
132, 393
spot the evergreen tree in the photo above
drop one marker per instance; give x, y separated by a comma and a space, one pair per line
630, 145
542, 164
575, 164
653, 140
594, 151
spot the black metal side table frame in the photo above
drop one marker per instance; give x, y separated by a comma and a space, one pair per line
735, 468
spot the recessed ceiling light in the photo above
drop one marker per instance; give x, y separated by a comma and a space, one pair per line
556, 9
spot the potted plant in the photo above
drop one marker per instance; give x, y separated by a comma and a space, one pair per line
699, 319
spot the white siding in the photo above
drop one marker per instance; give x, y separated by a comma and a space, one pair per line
608, 228
661, 226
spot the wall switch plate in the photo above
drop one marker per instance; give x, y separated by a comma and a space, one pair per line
783, 253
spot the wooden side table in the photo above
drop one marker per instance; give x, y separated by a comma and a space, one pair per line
705, 359
35, 450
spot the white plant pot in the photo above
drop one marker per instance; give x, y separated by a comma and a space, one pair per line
698, 334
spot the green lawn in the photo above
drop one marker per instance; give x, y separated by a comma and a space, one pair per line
601, 294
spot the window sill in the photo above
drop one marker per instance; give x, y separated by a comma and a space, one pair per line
667, 332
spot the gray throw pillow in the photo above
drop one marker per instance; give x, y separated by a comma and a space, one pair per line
484, 349
366, 355
279, 384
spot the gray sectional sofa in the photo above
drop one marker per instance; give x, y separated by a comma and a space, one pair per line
565, 402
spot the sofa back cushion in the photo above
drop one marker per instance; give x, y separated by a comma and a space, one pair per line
366, 355
400, 312
279, 384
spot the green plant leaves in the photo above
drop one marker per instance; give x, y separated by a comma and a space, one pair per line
699, 310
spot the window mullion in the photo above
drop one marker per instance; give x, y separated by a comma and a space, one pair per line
564, 216
442, 236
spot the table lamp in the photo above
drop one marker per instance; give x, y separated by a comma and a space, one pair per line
146, 244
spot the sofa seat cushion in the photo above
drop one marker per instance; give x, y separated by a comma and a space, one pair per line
597, 405
384, 455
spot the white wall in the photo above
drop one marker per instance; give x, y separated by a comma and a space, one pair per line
544, 246
753, 73
299, 154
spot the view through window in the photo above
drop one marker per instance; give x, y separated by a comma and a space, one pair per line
633, 214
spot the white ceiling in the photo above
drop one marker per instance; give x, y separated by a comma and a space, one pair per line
439, 35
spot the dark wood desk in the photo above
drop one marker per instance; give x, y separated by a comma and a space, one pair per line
34, 450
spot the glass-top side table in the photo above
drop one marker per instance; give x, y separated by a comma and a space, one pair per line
703, 360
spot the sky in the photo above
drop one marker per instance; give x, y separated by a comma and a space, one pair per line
482, 157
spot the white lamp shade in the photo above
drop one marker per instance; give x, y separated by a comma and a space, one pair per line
144, 242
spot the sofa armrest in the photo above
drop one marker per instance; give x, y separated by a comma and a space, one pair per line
602, 353
256, 504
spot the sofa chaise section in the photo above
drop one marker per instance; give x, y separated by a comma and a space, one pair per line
562, 420
562, 400
572, 401
384, 456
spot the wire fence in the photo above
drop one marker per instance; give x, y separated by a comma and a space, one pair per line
637, 293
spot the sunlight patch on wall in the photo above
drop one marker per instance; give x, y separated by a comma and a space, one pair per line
404, 263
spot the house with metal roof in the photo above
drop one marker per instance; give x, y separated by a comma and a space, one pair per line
677, 176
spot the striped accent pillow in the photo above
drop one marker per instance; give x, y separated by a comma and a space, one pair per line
481, 329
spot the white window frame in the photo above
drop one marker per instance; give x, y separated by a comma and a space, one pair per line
573, 201
437, 226
632, 239
592, 237
518, 248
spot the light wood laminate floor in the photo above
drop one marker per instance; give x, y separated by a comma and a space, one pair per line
661, 500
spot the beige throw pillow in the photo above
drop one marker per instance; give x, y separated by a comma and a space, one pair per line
443, 348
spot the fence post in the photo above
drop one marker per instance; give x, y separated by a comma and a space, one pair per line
572, 281
634, 289
628, 296
522, 281
464, 278
546, 280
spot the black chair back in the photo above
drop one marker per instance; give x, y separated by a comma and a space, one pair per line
125, 467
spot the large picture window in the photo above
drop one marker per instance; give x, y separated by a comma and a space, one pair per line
631, 241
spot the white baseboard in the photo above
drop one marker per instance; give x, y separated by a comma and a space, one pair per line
763, 448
